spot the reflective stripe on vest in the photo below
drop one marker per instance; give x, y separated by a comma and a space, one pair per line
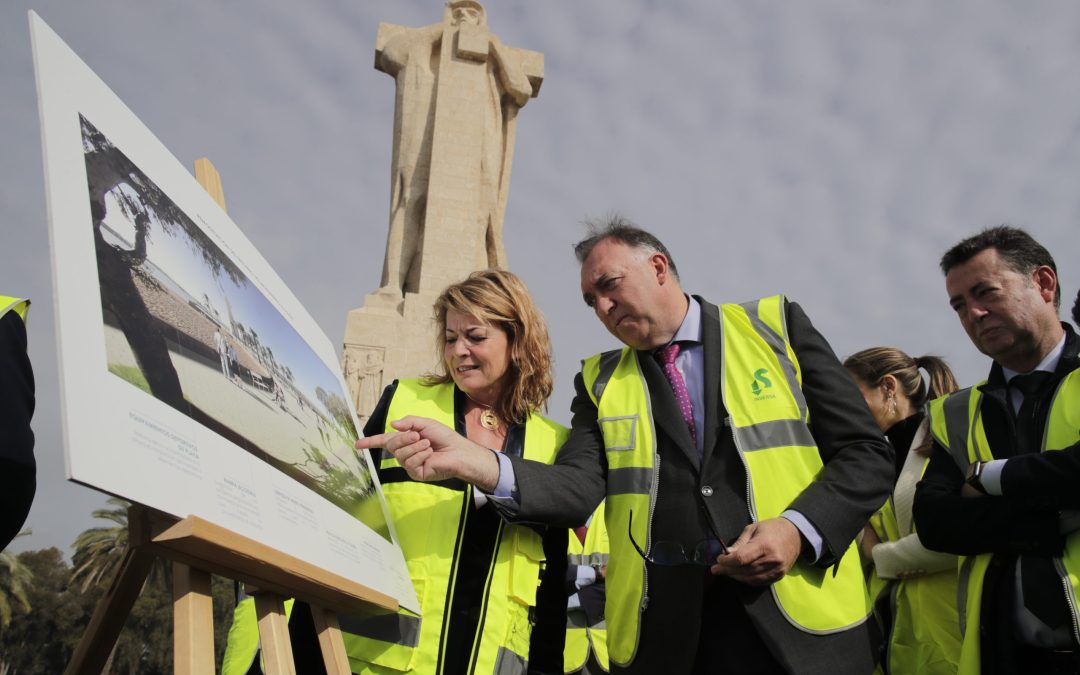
581, 638
761, 390
18, 305
953, 419
429, 520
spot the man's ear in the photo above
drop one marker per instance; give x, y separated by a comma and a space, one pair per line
1045, 280
661, 267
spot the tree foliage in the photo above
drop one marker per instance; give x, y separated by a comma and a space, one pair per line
100, 550
41, 639
15, 579
339, 411
43, 634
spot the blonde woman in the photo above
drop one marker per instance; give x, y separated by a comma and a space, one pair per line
480, 581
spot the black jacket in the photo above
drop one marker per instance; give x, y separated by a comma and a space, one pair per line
17, 468
1022, 522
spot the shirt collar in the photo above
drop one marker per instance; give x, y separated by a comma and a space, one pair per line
690, 330
1048, 364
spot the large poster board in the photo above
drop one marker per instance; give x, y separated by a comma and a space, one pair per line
192, 380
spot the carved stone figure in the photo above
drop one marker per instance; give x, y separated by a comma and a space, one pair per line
370, 385
458, 93
363, 374
459, 89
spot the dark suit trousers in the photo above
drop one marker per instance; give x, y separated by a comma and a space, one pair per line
729, 642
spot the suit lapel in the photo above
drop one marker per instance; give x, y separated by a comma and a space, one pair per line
665, 409
714, 407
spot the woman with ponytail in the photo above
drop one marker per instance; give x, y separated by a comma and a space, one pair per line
914, 589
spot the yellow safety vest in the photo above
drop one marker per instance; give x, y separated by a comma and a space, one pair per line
18, 305
761, 390
580, 636
243, 641
429, 520
923, 637
956, 422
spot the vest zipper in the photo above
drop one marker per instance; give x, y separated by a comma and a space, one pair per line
1070, 599
750, 506
654, 491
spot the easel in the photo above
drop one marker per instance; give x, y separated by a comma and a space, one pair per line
198, 549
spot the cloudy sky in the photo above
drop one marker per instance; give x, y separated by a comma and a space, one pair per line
829, 150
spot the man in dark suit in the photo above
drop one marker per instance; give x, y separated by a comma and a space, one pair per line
1003, 484
688, 603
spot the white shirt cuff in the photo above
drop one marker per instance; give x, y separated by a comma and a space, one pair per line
506, 488
586, 576
991, 476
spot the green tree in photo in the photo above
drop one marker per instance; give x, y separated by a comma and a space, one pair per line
110, 172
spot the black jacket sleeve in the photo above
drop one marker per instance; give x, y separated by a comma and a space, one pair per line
565, 494
1052, 477
949, 522
859, 471
17, 467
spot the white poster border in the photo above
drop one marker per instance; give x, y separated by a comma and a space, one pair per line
184, 468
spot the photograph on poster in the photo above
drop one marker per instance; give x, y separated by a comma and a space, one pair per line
183, 323
193, 381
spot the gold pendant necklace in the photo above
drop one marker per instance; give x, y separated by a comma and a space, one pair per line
488, 419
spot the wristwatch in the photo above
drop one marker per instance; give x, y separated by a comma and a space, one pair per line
974, 476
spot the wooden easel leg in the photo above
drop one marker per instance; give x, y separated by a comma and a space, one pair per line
274, 635
331, 642
193, 622
108, 620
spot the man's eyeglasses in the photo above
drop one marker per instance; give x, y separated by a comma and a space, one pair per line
672, 553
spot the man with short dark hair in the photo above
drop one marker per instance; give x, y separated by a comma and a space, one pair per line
714, 424
1004, 475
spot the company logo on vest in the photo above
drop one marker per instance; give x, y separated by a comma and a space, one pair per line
760, 383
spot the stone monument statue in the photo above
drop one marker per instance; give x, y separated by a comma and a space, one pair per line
458, 93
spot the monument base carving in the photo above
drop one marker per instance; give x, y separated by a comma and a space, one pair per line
389, 337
